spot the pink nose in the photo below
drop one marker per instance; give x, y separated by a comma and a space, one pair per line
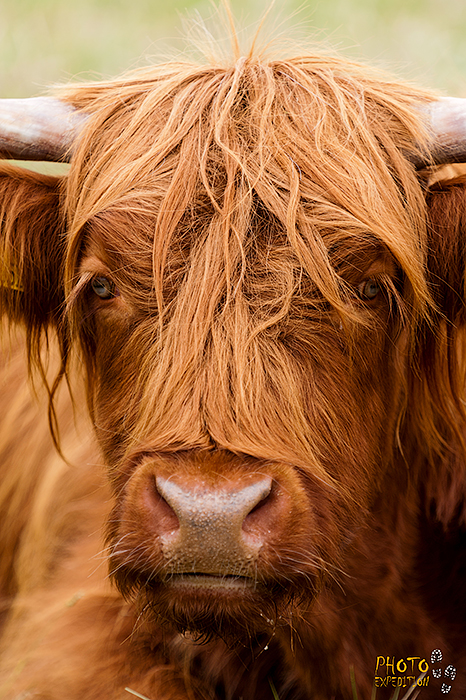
216, 531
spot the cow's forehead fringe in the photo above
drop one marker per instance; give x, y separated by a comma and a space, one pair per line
319, 143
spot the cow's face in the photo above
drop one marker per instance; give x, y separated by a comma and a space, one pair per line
243, 305
244, 267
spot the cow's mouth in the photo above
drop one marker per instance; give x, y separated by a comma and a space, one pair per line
210, 606
210, 581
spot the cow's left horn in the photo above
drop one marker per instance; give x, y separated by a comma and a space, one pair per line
38, 128
446, 121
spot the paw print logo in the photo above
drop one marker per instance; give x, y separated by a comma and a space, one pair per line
449, 673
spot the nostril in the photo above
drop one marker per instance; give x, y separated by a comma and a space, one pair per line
259, 516
263, 502
160, 511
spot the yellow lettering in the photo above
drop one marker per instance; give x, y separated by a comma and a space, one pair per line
425, 664
413, 659
380, 662
398, 666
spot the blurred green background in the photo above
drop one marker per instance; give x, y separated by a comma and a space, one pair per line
47, 41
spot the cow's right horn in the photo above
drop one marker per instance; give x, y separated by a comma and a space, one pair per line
446, 122
38, 128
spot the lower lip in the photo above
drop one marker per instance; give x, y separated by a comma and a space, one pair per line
210, 581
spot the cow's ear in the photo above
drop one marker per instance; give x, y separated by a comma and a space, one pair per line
437, 410
446, 202
31, 247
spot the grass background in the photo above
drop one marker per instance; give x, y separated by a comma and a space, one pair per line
48, 41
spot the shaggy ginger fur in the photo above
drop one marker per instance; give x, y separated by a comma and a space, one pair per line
282, 304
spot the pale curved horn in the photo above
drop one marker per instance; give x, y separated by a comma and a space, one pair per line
446, 121
38, 128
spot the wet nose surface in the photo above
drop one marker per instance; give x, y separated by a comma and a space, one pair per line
211, 537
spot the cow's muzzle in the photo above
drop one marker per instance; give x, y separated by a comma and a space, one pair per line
208, 521
215, 532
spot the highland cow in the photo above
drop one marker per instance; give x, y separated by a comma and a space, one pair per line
247, 275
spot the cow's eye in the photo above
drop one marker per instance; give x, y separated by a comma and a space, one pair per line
103, 287
369, 289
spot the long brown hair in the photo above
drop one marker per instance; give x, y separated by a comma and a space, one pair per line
230, 195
